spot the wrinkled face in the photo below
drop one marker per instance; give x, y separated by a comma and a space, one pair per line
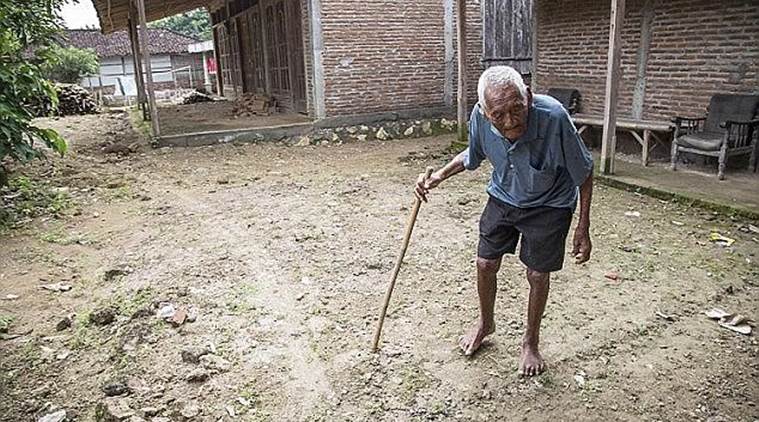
507, 110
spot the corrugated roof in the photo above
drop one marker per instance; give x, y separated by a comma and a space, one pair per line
162, 41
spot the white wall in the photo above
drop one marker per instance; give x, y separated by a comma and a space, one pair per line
113, 67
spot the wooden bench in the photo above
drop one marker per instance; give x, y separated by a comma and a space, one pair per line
634, 126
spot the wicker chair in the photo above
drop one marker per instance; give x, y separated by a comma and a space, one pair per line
729, 128
568, 97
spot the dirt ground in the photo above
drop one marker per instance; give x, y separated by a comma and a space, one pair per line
218, 115
282, 254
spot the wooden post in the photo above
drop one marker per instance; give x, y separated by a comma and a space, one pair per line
216, 57
646, 144
134, 44
645, 44
609, 140
148, 69
461, 39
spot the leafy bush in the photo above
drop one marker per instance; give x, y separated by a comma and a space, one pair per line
70, 64
26, 26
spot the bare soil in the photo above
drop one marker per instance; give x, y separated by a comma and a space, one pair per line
283, 254
217, 115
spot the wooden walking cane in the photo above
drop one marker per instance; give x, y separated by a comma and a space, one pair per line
409, 229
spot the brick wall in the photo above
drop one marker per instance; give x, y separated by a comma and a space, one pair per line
698, 48
388, 55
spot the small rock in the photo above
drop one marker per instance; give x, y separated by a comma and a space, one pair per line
382, 135
56, 287
190, 410
634, 214
215, 363
361, 138
63, 324
113, 409
103, 317
197, 375
53, 417
222, 181
193, 354
409, 131
300, 297
303, 141
612, 275
113, 273
117, 388
230, 410
166, 311
149, 411
10, 297
179, 317
427, 127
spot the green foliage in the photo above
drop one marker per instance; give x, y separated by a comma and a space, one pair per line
70, 64
23, 198
26, 26
5, 323
195, 23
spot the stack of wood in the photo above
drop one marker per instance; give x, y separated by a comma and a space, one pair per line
254, 105
73, 99
196, 97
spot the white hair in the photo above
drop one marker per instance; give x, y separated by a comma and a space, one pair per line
500, 76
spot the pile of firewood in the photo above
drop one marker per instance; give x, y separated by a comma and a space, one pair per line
73, 99
254, 105
196, 97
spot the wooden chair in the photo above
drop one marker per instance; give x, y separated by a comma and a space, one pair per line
729, 129
568, 97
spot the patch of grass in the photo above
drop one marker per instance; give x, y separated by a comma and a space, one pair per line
120, 193
83, 337
24, 198
59, 236
5, 322
238, 301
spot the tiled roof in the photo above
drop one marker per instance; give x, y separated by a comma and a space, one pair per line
162, 41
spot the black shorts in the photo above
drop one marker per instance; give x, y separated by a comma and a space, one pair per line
543, 229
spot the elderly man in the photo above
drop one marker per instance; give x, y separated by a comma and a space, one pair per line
539, 161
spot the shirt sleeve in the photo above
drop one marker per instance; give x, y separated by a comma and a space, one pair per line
474, 155
577, 159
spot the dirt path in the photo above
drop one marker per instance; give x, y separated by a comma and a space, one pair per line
282, 253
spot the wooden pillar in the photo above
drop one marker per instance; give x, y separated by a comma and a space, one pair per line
461, 39
645, 44
217, 58
148, 69
265, 45
609, 139
135, 46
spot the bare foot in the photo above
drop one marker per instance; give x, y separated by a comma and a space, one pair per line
531, 363
472, 341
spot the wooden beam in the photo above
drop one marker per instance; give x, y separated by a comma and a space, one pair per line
461, 39
645, 43
609, 139
155, 124
134, 43
216, 51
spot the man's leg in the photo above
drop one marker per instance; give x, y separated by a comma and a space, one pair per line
487, 285
531, 363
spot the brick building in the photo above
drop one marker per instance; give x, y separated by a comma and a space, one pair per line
331, 58
697, 48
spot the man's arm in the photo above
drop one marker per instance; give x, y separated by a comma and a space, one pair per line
454, 167
581, 242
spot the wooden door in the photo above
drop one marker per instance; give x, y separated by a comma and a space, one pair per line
296, 65
507, 34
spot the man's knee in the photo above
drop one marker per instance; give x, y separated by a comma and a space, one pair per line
488, 265
536, 277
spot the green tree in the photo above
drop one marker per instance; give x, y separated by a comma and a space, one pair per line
69, 64
195, 23
25, 26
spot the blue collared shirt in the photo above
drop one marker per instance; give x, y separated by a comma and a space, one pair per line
543, 167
